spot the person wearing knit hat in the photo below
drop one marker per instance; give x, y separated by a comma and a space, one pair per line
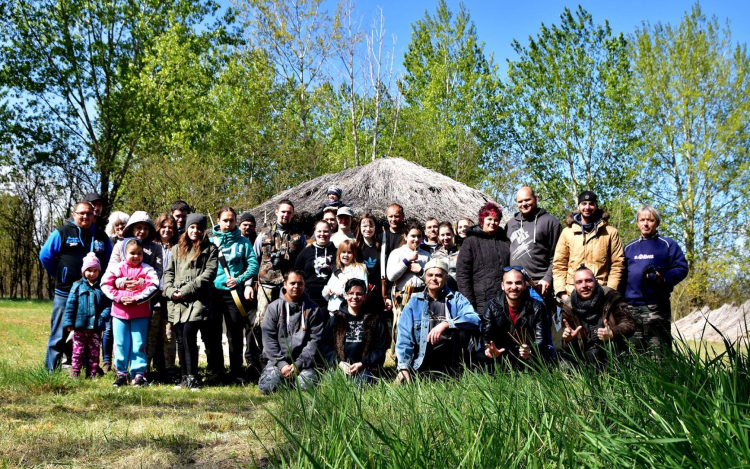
247, 225
588, 240
86, 313
197, 219
450, 319
333, 199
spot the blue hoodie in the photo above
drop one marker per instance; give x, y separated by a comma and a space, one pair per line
240, 257
666, 255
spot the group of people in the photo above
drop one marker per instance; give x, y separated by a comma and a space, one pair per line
441, 296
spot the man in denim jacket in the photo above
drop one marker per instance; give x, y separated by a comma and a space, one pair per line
436, 326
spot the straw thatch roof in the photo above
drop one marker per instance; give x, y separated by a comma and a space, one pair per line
422, 192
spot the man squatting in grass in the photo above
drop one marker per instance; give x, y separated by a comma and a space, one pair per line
655, 265
292, 331
435, 327
600, 317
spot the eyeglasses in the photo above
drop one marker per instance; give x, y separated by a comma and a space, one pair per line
84, 214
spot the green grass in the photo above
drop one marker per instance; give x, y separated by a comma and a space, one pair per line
689, 410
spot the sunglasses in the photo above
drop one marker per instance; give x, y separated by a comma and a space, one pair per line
508, 268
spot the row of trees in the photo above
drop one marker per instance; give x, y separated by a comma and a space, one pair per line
147, 102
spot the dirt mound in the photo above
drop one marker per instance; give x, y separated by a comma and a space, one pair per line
731, 320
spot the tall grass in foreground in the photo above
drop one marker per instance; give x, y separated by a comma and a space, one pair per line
688, 410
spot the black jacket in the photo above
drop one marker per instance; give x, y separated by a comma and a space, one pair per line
479, 269
370, 351
498, 327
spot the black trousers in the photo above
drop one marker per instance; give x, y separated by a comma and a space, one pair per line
187, 344
226, 310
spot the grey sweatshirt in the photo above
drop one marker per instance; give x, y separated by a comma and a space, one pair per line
532, 243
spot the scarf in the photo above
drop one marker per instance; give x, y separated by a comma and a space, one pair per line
590, 311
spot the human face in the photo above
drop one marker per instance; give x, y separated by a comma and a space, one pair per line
98, 207
180, 216
367, 228
119, 226
84, 216
333, 197
435, 280
446, 237
91, 274
141, 230
526, 201
295, 287
431, 231
463, 225
284, 214
355, 297
395, 219
345, 222
330, 218
247, 228
133, 254
587, 209
227, 221
166, 231
346, 257
195, 233
647, 224
322, 234
491, 223
413, 239
584, 283
514, 285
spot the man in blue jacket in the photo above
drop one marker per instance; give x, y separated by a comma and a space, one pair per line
436, 326
655, 264
62, 257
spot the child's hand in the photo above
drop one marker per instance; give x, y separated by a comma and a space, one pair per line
134, 284
128, 300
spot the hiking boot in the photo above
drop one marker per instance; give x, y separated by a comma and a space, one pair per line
140, 381
106, 366
122, 380
193, 384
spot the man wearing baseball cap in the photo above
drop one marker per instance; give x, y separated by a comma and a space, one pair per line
435, 328
588, 240
344, 217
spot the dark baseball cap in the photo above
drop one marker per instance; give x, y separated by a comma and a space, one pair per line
587, 196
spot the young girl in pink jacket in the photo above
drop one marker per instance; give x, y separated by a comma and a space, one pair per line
130, 285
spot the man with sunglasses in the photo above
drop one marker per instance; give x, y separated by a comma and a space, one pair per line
62, 257
513, 322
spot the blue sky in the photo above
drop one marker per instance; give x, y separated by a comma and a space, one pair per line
498, 22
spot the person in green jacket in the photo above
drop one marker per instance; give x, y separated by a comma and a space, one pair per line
188, 286
241, 265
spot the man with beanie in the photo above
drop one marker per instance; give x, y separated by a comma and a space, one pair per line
62, 257
435, 327
246, 223
588, 240
533, 235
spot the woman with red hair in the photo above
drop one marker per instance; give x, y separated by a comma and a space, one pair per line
482, 258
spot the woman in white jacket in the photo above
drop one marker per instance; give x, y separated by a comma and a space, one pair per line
347, 268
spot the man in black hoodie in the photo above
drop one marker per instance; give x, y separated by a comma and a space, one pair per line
533, 235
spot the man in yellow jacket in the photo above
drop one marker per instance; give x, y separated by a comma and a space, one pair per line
588, 240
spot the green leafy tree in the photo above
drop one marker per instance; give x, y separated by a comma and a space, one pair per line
694, 94
569, 96
452, 122
74, 73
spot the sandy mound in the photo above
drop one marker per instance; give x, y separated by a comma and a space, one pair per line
731, 320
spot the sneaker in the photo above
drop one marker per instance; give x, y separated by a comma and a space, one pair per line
193, 384
122, 380
97, 374
215, 379
75, 374
183, 384
140, 381
106, 366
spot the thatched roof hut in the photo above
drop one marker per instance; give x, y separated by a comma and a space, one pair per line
422, 192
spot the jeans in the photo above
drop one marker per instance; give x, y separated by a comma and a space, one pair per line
130, 345
271, 379
56, 345
108, 340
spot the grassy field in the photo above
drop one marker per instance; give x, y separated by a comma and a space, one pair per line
689, 410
